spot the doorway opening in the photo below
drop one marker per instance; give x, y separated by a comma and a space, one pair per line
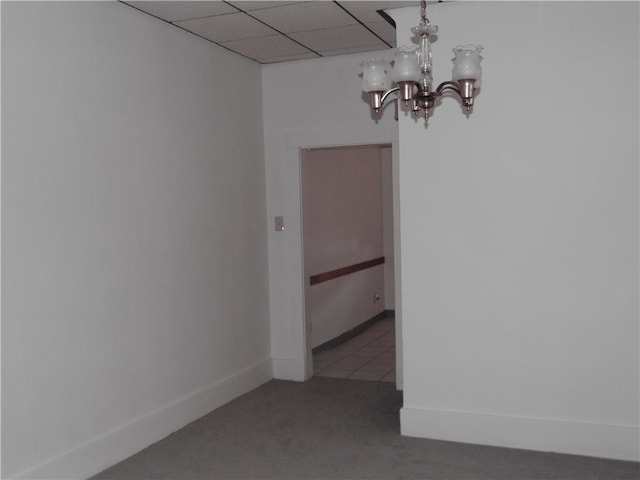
348, 261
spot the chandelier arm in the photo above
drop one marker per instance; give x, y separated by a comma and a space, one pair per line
387, 93
448, 86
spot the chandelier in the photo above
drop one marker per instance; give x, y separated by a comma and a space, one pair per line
411, 73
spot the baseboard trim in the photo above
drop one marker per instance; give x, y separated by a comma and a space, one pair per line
618, 442
114, 446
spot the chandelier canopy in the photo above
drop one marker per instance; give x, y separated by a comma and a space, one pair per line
412, 73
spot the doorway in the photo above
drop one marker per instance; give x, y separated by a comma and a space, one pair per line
348, 260
291, 352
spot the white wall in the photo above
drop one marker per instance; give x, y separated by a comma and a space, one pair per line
342, 226
520, 233
309, 103
133, 231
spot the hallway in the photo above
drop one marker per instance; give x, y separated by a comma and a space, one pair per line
371, 355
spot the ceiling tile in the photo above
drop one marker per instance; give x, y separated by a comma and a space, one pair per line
348, 50
264, 47
248, 6
300, 17
367, 11
383, 30
175, 11
224, 28
288, 58
337, 38
326, 27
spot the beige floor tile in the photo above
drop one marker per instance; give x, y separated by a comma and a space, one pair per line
368, 356
334, 373
352, 363
387, 363
381, 370
390, 377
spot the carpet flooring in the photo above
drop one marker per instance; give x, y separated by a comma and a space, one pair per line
337, 429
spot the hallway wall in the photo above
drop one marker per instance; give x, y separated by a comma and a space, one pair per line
133, 232
343, 225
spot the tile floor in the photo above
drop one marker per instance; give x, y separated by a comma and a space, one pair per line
370, 355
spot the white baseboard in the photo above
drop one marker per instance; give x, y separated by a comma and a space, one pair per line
111, 447
562, 436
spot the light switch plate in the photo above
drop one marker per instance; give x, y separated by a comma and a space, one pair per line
279, 221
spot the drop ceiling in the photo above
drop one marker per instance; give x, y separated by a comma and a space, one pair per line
274, 31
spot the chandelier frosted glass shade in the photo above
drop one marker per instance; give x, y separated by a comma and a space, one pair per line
405, 65
375, 75
467, 63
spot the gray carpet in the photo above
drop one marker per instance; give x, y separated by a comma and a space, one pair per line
337, 429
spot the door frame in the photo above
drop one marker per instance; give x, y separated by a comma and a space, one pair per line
301, 367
